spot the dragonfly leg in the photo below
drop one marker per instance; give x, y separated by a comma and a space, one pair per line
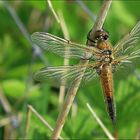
113, 68
114, 64
98, 69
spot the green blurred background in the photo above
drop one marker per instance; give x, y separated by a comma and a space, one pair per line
19, 60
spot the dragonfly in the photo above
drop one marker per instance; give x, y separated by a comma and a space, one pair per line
103, 60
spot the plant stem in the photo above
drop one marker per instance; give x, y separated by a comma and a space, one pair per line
74, 88
27, 124
53, 11
66, 60
106, 131
32, 110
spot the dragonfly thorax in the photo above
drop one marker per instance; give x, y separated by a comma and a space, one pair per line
105, 46
106, 49
106, 57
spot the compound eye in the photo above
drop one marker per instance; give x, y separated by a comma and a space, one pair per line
100, 36
105, 37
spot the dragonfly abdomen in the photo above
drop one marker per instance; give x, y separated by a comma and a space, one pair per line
107, 86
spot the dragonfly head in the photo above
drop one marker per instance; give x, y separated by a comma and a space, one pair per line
101, 35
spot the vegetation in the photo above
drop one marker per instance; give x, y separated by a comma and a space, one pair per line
20, 59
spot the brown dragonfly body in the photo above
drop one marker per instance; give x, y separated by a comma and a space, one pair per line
107, 86
105, 70
104, 59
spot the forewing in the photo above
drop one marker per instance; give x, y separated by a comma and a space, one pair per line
127, 54
65, 75
128, 43
62, 47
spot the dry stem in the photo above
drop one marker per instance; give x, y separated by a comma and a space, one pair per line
66, 60
4, 102
87, 10
27, 124
73, 89
32, 110
53, 11
60, 19
106, 131
4, 121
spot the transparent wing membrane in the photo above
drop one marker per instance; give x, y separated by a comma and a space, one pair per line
123, 70
63, 47
126, 53
129, 41
126, 64
126, 57
67, 74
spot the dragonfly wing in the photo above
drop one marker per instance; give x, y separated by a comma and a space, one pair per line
129, 41
66, 74
125, 65
62, 47
126, 54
